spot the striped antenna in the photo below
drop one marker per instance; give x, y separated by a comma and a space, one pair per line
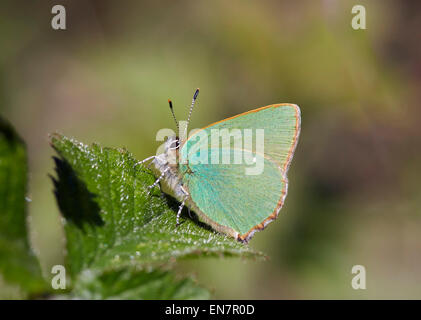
173, 115
191, 109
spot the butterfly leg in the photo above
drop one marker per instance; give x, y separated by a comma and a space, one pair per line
180, 208
145, 160
157, 180
186, 196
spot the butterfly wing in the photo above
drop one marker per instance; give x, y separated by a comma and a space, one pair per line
233, 202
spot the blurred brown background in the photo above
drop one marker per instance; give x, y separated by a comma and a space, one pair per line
355, 195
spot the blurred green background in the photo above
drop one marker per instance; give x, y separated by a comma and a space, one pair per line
354, 196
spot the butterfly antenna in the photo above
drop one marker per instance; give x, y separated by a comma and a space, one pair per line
173, 115
191, 109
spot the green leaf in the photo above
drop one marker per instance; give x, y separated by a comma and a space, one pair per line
112, 223
18, 265
128, 283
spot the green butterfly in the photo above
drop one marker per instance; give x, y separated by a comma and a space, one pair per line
223, 194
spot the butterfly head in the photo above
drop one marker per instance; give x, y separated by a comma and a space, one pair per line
172, 143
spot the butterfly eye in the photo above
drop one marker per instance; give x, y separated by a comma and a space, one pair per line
175, 144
